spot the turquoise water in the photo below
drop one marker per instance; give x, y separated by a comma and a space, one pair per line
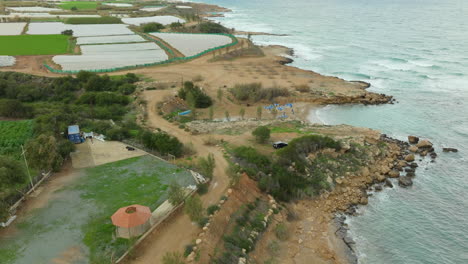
417, 51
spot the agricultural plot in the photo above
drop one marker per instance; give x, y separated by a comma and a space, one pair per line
109, 39
193, 44
6, 61
81, 5
33, 45
33, 9
10, 29
152, 8
118, 4
78, 30
77, 217
13, 134
43, 15
99, 57
165, 20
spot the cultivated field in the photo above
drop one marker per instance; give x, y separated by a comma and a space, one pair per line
13, 134
165, 20
78, 30
193, 44
76, 222
33, 9
152, 8
98, 57
33, 45
118, 4
6, 61
10, 29
42, 15
109, 39
84, 5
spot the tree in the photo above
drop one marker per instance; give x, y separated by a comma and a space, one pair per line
175, 25
207, 165
67, 32
11, 172
173, 258
42, 153
261, 134
233, 174
259, 113
176, 193
242, 113
194, 208
211, 27
211, 113
226, 115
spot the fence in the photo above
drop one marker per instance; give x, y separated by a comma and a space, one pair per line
176, 59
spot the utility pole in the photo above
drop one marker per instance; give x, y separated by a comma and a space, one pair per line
27, 166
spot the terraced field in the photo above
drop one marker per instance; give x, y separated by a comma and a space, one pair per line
33, 45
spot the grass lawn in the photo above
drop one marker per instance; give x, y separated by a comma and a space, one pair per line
34, 45
83, 5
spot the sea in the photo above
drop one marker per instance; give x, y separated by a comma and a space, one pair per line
416, 51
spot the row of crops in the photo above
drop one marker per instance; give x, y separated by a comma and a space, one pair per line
13, 134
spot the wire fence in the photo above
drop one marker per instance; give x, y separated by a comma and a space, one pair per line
159, 43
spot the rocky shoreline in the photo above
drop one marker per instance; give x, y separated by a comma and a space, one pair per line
405, 162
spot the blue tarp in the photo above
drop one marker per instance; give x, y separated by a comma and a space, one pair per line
185, 112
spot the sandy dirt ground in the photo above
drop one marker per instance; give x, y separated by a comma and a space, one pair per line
95, 153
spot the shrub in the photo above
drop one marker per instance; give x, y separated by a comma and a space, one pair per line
127, 88
176, 193
173, 258
195, 96
255, 92
212, 209
303, 88
203, 221
194, 208
162, 142
15, 109
67, 32
188, 249
202, 188
261, 134
211, 27
11, 172
207, 165
93, 20
152, 27
281, 231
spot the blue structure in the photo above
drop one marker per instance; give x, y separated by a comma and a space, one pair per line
74, 134
185, 112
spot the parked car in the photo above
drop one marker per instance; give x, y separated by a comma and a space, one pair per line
280, 144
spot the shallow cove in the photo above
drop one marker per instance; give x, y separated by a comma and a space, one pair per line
416, 51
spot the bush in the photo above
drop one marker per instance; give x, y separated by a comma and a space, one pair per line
127, 88
211, 27
303, 88
281, 231
173, 258
255, 92
176, 194
212, 209
261, 134
195, 96
202, 188
194, 208
207, 165
188, 249
11, 172
152, 27
162, 143
203, 221
15, 109
67, 32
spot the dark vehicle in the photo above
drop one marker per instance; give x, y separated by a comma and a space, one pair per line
130, 148
280, 144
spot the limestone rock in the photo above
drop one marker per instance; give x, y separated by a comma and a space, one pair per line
405, 181
394, 174
198, 241
413, 139
413, 149
364, 201
388, 183
378, 188
380, 178
450, 150
424, 144
409, 157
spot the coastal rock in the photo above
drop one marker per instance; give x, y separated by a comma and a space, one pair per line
409, 157
364, 201
413, 149
413, 139
394, 174
450, 150
380, 178
424, 144
433, 155
405, 181
388, 183
378, 188
414, 165
411, 174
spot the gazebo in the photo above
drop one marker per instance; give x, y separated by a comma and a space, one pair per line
131, 221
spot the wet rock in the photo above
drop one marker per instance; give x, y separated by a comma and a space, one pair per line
413, 139
424, 144
411, 174
433, 155
348, 240
364, 201
380, 178
410, 170
378, 188
409, 157
414, 165
450, 150
388, 183
405, 181
413, 149
394, 174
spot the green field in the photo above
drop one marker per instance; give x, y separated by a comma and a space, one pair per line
78, 215
93, 20
34, 45
13, 134
83, 5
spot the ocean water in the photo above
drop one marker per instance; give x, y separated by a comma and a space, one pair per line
417, 51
